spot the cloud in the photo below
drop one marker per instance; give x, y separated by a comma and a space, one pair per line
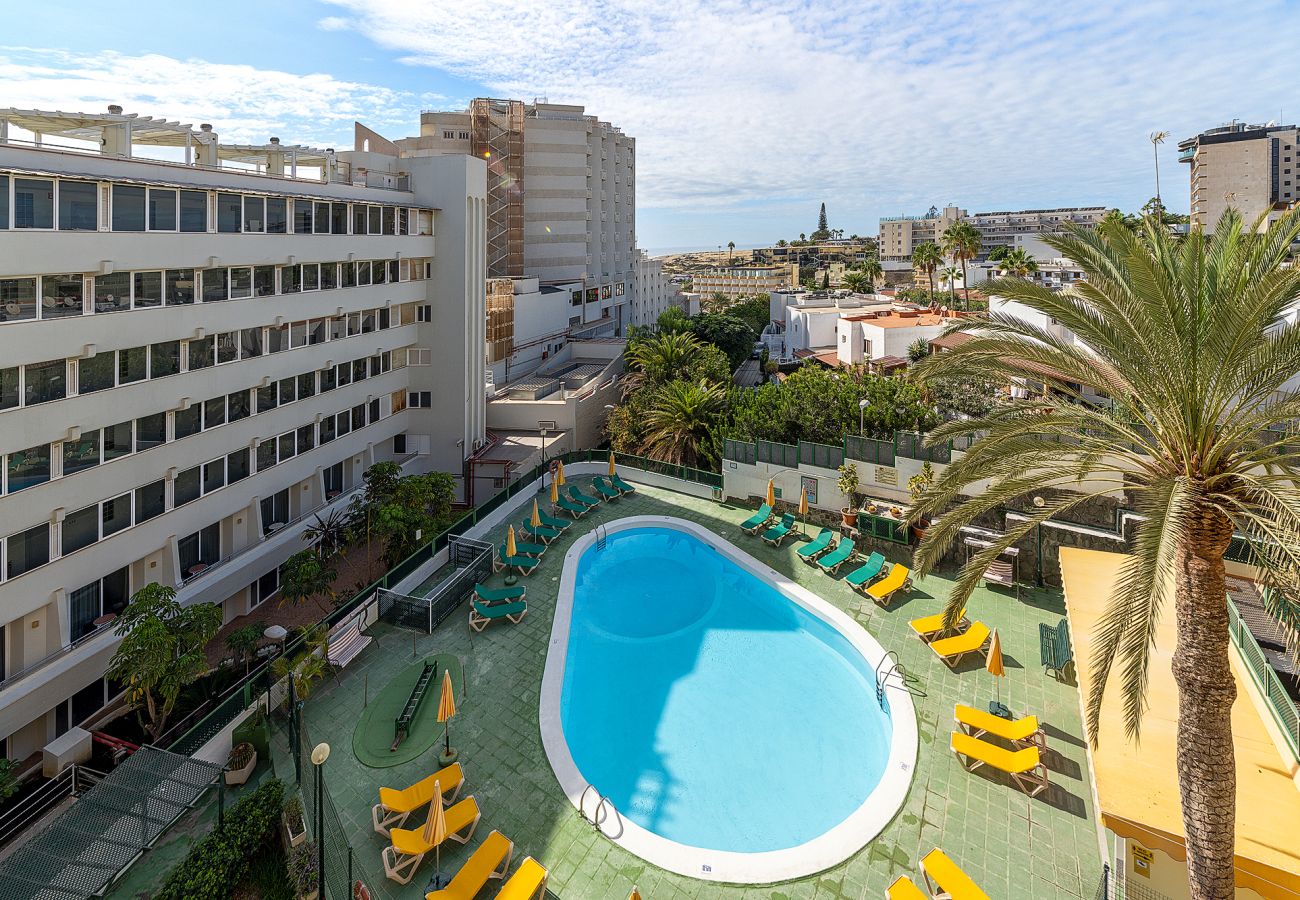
333, 23
244, 103
881, 108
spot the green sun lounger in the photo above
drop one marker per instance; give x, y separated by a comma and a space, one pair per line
500, 595
523, 564
833, 560
552, 522
524, 548
543, 533
860, 577
757, 520
576, 494
605, 490
622, 486
577, 510
819, 544
481, 615
778, 532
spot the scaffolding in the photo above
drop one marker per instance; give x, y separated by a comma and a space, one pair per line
500, 319
497, 129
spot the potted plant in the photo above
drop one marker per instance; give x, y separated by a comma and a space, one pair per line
302, 868
917, 485
240, 763
896, 512
848, 485
295, 826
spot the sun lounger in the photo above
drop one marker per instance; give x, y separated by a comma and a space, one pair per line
543, 533
524, 548
952, 649
778, 532
491, 859
500, 595
605, 491
898, 579
905, 889
820, 544
841, 554
860, 577
402, 857
928, 628
620, 485
946, 880
1025, 766
552, 522
522, 564
577, 510
577, 496
528, 881
395, 806
481, 614
757, 520
1022, 732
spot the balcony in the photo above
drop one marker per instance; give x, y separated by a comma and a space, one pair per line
1187, 155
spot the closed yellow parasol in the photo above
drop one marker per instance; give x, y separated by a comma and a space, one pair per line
771, 493
611, 464
510, 542
993, 664
447, 709
555, 493
536, 520
435, 831
559, 473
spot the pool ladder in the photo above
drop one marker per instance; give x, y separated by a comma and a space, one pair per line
882, 680
603, 801
601, 537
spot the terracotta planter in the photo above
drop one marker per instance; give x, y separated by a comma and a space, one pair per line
849, 517
896, 512
241, 775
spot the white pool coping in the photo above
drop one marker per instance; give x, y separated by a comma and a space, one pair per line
816, 855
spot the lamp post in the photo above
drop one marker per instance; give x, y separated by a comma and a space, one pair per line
319, 754
862, 413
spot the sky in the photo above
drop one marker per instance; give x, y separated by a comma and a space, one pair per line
748, 114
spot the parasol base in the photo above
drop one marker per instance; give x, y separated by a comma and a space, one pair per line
512, 580
438, 882
448, 758
999, 709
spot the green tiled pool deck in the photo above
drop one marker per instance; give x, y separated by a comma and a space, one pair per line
1012, 846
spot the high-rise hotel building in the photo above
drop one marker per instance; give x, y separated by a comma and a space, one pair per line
197, 355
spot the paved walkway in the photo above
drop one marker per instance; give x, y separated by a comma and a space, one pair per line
1012, 846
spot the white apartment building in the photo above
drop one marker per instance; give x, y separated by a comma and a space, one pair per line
1255, 168
652, 291
901, 235
744, 281
197, 354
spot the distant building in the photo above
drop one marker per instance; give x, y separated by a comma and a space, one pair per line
818, 255
1250, 167
901, 235
744, 281
652, 291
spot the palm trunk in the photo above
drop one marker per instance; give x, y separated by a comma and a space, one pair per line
1207, 776
965, 288
931, 274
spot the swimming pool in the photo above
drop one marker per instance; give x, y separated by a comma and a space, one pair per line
729, 715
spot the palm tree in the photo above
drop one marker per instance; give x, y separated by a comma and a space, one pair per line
657, 359
962, 242
1183, 337
680, 424
856, 281
872, 269
1017, 263
731, 248
949, 276
328, 534
927, 257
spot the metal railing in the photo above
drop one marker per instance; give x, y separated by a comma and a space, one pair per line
22, 815
1266, 680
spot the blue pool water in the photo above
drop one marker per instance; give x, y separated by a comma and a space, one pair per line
711, 708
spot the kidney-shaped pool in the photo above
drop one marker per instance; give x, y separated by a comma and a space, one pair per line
729, 716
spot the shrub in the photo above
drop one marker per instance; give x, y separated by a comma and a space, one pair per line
216, 864
304, 871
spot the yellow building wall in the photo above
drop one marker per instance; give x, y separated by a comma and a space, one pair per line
1166, 877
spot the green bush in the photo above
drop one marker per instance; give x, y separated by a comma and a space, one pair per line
216, 864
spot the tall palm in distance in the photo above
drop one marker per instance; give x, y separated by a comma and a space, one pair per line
873, 270
949, 276
731, 248
927, 257
962, 243
1017, 263
1182, 336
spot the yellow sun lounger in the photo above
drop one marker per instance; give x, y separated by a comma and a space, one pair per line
1022, 732
946, 880
491, 859
928, 628
1025, 766
952, 649
528, 881
905, 889
394, 806
898, 579
402, 858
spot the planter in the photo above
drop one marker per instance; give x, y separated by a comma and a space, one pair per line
240, 774
849, 517
896, 512
291, 838
310, 895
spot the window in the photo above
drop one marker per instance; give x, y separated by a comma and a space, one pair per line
150, 500
379, 272
290, 279
277, 339
115, 514
327, 432
214, 412
329, 276
306, 385
229, 213
286, 446
80, 529
4, 224
96, 373
263, 281
201, 353
316, 331
349, 275
358, 416
266, 454
82, 453
61, 296
359, 370
306, 438
131, 364
390, 220
112, 292
344, 422
339, 218
27, 550
265, 587
277, 217
187, 421
375, 216
237, 468
106, 596
241, 283
28, 468
214, 475
338, 327
78, 206
250, 342
180, 286
128, 208
275, 511
421, 399
358, 219
117, 440
162, 210
333, 480
298, 334
227, 347
322, 214
424, 313
354, 323
150, 431
238, 406
33, 203
266, 398
403, 221
164, 359
194, 211
187, 487
311, 277
288, 390
46, 381
302, 215
254, 215
147, 289
17, 299
216, 285
328, 380
199, 550
363, 273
